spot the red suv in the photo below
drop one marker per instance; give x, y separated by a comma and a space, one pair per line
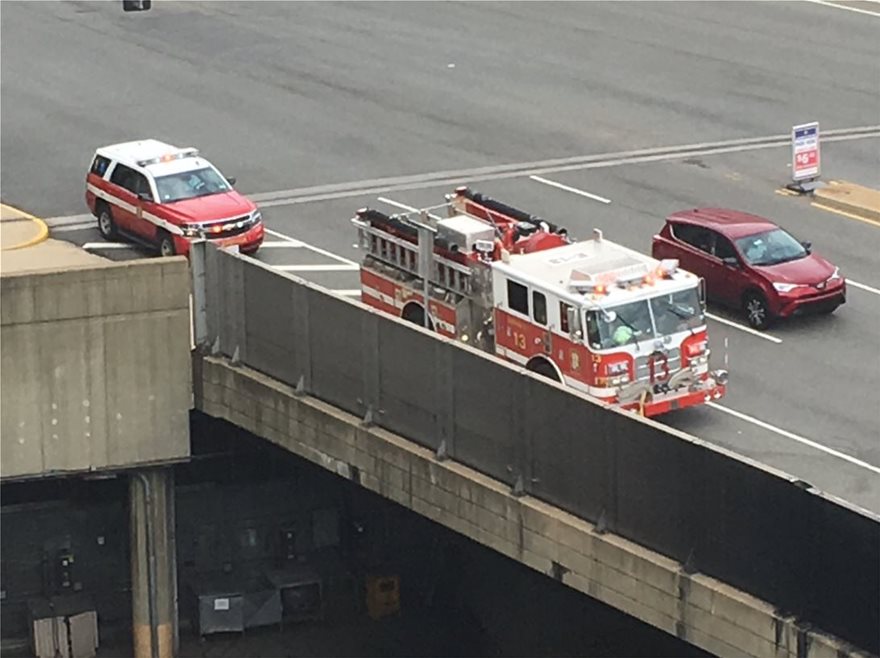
750, 263
164, 196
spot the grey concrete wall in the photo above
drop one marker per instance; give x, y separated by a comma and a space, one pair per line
95, 367
659, 591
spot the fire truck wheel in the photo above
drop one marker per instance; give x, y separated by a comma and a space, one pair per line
416, 314
106, 225
543, 368
756, 310
166, 244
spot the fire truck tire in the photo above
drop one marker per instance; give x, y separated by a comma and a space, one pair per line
166, 244
544, 368
756, 310
106, 223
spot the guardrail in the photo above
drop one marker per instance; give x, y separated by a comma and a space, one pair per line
812, 556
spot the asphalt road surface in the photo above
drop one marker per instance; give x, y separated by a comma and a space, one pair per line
298, 99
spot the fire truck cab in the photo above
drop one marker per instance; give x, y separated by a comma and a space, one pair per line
611, 322
608, 321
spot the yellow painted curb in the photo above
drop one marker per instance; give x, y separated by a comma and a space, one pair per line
42, 233
843, 213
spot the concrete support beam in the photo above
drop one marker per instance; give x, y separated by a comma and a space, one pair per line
94, 372
649, 586
153, 567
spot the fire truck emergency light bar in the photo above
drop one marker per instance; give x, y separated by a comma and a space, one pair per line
628, 276
168, 157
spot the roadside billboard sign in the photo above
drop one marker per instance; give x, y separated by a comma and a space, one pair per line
805, 151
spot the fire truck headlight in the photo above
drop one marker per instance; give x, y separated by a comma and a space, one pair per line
616, 368
191, 231
695, 349
720, 377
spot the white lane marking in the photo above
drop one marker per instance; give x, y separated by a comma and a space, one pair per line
850, 282
836, 6
354, 292
397, 204
573, 190
441, 178
75, 227
316, 268
317, 250
794, 437
97, 246
68, 219
282, 244
772, 339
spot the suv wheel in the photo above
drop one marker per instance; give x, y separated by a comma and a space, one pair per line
756, 310
106, 225
166, 244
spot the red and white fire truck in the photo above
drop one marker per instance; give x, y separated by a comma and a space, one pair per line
616, 324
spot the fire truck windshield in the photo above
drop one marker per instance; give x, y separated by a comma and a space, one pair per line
641, 320
677, 311
629, 323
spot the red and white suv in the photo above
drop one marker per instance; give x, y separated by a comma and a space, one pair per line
165, 196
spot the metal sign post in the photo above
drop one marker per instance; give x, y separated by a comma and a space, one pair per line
426, 252
805, 157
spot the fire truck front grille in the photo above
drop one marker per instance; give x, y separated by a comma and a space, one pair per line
643, 365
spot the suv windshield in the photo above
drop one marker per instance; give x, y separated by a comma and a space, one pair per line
770, 248
638, 321
190, 184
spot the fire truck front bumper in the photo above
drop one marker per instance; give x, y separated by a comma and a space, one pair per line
651, 403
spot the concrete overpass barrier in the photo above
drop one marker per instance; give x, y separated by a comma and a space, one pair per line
797, 558
95, 364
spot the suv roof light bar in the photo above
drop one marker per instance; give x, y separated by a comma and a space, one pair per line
168, 157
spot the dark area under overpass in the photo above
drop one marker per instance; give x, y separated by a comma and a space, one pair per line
236, 501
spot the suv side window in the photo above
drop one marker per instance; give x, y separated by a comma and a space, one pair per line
723, 247
123, 176
696, 236
133, 181
141, 185
99, 165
